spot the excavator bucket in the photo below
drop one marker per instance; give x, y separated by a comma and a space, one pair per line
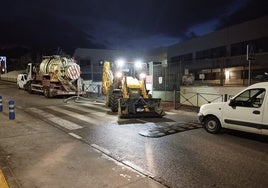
140, 107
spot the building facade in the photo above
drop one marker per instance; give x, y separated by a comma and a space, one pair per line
220, 58
215, 59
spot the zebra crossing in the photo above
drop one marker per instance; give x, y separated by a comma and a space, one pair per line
75, 113
52, 118
72, 117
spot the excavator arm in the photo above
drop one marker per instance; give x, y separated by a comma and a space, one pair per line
107, 78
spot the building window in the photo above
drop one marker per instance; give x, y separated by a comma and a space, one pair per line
84, 62
239, 48
184, 57
260, 46
217, 52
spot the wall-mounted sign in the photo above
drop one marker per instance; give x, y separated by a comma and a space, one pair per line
201, 76
250, 52
160, 80
149, 79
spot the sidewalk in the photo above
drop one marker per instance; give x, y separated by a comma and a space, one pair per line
35, 154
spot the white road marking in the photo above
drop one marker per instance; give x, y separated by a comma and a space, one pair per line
107, 152
75, 135
137, 168
81, 108
75, 115
101, 107
92, 111
170, 113
65, 123
61, 122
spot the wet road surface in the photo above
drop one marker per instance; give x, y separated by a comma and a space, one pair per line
173, 150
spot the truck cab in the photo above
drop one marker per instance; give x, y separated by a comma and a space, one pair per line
21, 80
247, 111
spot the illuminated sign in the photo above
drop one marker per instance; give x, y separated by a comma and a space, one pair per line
3, 64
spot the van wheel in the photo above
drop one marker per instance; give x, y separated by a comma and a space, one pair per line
212, 125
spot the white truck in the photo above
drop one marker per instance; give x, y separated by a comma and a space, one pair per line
247, 111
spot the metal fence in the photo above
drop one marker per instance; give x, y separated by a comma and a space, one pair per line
92, 88
198, 99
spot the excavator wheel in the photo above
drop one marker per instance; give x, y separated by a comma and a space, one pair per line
114, 103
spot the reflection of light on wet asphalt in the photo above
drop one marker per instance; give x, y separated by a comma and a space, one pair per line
149, 156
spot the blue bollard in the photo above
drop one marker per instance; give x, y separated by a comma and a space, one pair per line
1, 105
11, 110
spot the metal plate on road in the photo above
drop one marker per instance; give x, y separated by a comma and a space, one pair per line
163, 130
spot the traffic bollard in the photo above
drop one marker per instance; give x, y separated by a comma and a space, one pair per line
1, 105
11, 110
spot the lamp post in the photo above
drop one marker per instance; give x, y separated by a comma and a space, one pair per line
250, 57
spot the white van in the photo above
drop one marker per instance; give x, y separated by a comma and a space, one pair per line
247, 111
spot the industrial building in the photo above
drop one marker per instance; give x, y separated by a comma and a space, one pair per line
233, 56
220, 58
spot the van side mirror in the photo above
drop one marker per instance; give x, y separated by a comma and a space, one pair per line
232, 103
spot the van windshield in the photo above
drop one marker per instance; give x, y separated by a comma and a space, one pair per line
250, 98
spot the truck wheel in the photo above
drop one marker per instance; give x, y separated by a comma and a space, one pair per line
47, 92
114, 103
29, 89
212, 125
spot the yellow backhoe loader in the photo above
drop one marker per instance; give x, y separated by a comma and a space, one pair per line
125, 90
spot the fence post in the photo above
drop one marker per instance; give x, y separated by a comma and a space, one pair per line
98, 90
197, 99
1, 104
225, 97
11, 110
175, 99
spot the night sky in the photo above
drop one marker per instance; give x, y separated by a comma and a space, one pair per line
118, 24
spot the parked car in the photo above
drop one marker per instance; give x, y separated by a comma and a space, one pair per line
261, 77
247, 111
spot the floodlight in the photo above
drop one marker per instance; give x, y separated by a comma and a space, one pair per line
119, 74
120, 62
138, 64
142, 75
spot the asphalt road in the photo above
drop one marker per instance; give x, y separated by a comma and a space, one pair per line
173, 150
